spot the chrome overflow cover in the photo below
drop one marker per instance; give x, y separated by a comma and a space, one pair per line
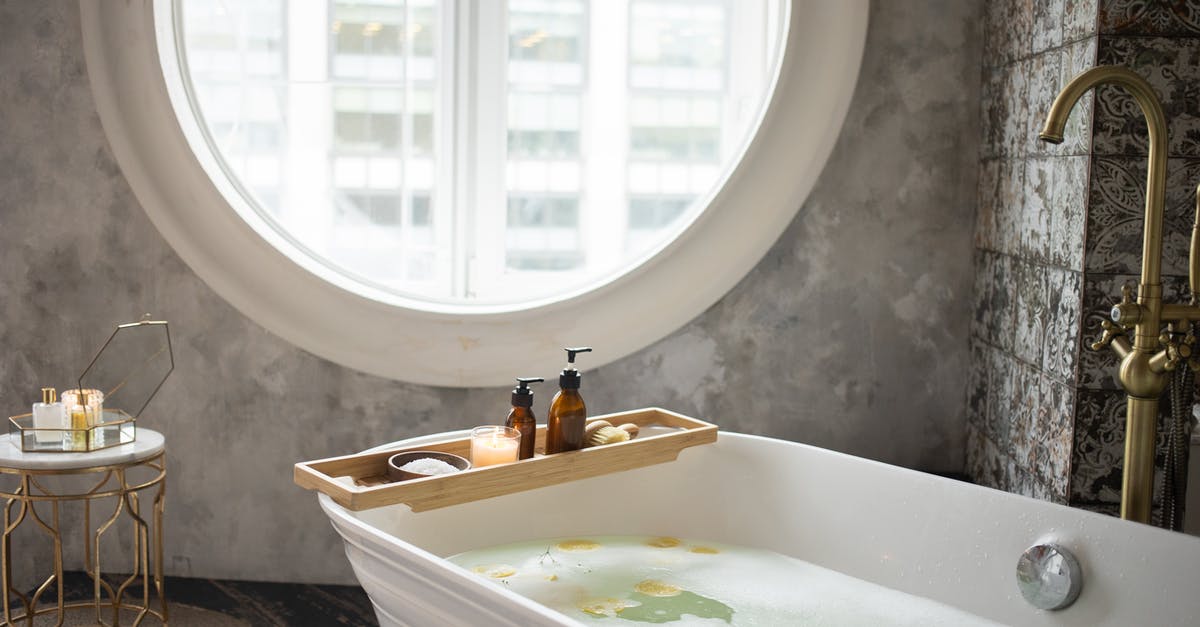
1049, 576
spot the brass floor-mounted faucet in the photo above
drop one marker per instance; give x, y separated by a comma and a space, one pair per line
1146, 362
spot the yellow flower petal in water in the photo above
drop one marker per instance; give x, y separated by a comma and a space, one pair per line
604, 607
578, 545
551, 577
707, 550
664, 542
496, 571
656, 588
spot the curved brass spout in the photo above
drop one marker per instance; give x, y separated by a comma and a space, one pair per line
1143, 369
1156, 177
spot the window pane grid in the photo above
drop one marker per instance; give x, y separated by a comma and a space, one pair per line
678, 84
341, 123
547, 68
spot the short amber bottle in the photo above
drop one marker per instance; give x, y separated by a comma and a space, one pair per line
521, 416
567, 415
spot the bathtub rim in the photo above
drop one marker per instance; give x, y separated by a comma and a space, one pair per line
1078, 536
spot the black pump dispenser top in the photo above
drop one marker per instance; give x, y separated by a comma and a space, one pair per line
569, 377
522, 396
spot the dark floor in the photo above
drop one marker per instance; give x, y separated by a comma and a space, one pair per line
203, 602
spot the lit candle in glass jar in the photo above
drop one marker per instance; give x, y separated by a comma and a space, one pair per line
494, 445
85, 409
93, 399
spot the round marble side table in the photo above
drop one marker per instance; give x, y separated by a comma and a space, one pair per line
107, 473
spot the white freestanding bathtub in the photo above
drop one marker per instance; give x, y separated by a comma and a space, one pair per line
937, 538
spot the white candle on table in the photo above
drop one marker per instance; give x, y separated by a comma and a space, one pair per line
494, 445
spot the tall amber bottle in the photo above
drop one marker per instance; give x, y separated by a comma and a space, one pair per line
565, 421
521, 416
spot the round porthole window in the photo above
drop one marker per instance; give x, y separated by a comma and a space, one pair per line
446, 192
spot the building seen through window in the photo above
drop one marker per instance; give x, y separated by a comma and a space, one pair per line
391, 145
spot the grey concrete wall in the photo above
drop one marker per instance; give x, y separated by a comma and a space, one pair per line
850, 334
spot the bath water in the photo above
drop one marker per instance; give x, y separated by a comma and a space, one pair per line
637, 580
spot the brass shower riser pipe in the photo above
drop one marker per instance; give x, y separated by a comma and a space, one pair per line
1141, 419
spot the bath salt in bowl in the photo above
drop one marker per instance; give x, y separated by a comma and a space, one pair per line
420, 464
428, 466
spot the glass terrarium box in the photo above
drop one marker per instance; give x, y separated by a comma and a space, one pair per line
113, 428
113, 390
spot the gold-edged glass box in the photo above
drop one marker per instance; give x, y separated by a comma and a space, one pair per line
113, 429
127, 372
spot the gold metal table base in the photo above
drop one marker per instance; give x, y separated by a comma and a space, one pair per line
147, 542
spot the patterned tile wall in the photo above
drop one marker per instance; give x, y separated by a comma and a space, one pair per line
1059, 232
1160, 40
1158, 18
1029, 249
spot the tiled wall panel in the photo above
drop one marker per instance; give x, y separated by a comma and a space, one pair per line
1030, 250
1060, 231
1159, 18
1160, 41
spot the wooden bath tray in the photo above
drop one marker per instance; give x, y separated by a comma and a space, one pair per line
359, 482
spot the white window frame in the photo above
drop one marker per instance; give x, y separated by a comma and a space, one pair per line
178, 181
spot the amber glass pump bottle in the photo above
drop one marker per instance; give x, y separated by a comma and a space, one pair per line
521, 416
565, 421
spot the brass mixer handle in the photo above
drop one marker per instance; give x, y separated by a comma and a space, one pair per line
1126, 314
1179, 350
1173, 358
1111, 331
